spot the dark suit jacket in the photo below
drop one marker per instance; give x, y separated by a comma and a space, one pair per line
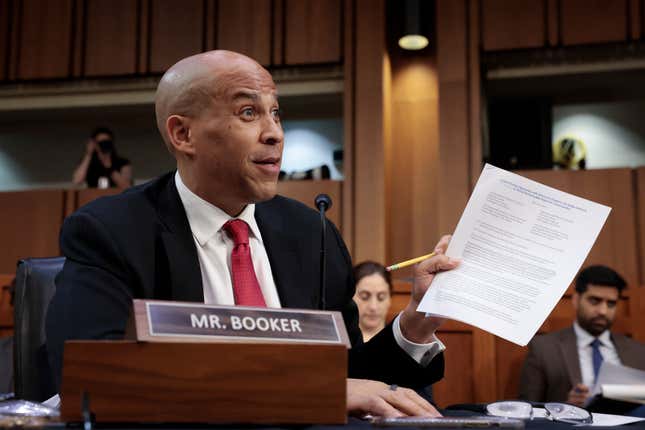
552, 366
139, 245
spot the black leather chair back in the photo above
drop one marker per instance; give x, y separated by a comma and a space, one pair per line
34, 290
6, 366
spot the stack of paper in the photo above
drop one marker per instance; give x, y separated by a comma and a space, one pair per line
619, 382
627, 393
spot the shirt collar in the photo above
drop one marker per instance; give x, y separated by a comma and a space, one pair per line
584, 338
206, 219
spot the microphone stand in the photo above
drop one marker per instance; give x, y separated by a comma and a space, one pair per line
323, 203
323, 261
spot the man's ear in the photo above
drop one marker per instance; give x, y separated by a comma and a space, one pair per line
178, 129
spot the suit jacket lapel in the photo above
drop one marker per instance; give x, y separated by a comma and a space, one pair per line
183, 263
286, 260
569, 351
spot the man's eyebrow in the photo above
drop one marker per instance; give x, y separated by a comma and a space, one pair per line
601, 298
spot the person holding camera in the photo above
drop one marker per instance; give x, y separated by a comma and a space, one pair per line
101, 166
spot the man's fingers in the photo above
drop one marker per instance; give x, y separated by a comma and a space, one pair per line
442, 245
424, 273
421, 402
406, 403
381, 408
403, 404
445, 263
377, 398
578, 401
438, 263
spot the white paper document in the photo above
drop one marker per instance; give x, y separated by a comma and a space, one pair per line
520, 244
620, 382
626, 392
607, 420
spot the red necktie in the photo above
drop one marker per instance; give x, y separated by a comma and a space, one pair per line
246, 288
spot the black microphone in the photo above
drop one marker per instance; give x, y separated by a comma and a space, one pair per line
323, 203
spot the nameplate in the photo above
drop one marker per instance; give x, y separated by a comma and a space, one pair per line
161, 320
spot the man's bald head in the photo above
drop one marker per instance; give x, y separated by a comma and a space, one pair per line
190, 85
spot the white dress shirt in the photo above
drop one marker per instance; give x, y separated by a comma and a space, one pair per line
214, 249
607, 350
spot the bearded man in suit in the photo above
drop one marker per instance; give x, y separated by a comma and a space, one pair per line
563, 366
173, 237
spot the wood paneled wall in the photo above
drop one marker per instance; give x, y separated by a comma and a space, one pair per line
520, 24
257, 35
110, 38
313, 25
432, 146
6, 16
459, 131
176, 30
594, 21
508, 24
640, 220
427, 181
306, 192
29, 226
411, 123
82, 197
366, 142
617, 243
62, 39
349, 117
44, 30
413, 159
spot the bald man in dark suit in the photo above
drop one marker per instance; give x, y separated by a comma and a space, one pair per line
219, 116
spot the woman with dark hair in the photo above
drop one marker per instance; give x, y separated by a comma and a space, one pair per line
101, 166
373, 297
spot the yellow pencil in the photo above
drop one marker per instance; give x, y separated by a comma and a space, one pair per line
408, 262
